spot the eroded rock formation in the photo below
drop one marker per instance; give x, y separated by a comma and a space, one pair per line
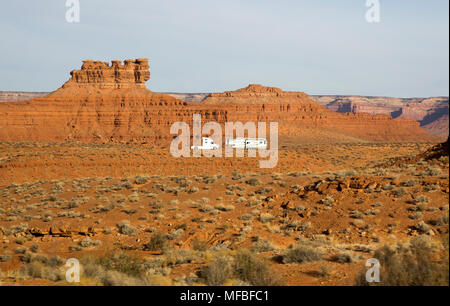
431, 113
130, 74
110, 103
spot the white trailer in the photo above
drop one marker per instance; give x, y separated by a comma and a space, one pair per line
256, 143
246, 143
236, 143
207, 144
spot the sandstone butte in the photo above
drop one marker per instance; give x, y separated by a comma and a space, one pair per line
105, 102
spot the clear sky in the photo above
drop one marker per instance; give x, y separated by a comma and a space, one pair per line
316, 46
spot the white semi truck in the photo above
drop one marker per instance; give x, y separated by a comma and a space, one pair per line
207, 144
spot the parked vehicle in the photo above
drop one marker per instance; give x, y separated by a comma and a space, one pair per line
246, 143
207, 144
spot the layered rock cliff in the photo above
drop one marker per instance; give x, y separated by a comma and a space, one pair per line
431, 113
110, 103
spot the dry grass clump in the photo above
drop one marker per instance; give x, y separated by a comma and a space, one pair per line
266, 217
217, 271
223, 207
158, 242
412, 264
253, 182
39, 266
122, 270
262, 245
328, 201
243, 268
126, 228
302, 253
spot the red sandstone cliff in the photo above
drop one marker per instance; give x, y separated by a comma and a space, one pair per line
110, 103
431, 113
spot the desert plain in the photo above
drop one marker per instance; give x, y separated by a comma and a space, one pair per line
86, 173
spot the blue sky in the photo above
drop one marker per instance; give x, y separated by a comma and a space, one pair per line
316, 46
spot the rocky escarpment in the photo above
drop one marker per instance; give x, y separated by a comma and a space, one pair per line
295, 110
104, 102
431, 113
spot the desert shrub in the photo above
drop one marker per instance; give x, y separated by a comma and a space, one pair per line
387, 187
410, 183
431, 188
355, 214
263, 190
75, 248
372, 212
199, 245
40, 270
236, 176
421, 199
134, 197
422, 227
121, 262
5, 258
206, 208
158, 242
126, 229
266, 217
323, 271
252, 269
223, 207
39, 266
175, 234
123, 270
418, 207
409, 265
328, 200
141, 180
217, 271
20, 250
342, 258
398, 193
129, 211
440, 221
253, 182
245, 217
262, 245
415, 216
88, 242
302, 254
192, 190
34, 248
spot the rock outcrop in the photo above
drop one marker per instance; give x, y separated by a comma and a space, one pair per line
130, 74
110, 103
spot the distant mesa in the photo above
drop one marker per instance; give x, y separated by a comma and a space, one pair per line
104, 102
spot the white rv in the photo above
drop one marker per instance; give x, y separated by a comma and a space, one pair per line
235, 143
246, 143
207, 144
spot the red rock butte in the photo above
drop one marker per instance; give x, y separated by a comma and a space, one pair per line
110, 103
130, 74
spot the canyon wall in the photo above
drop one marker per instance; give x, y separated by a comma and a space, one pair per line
432, 113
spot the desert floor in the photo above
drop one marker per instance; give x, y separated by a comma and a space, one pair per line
133, 214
